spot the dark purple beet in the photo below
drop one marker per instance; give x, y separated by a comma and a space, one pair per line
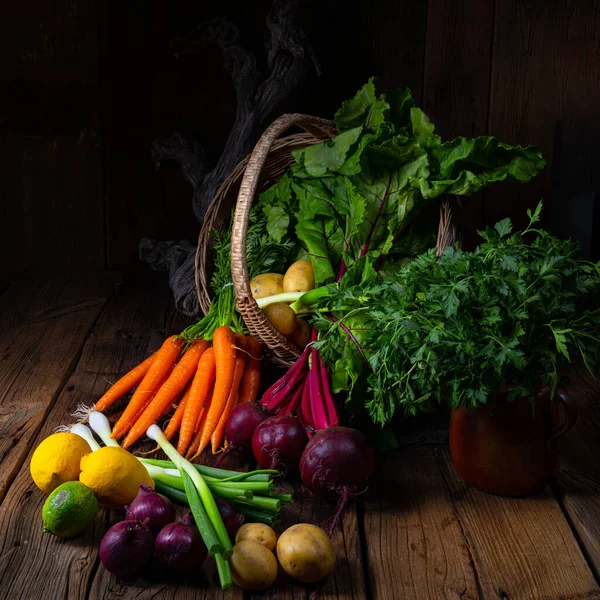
337, 458
232, 519
126, 548
337, 463
242, 422
179, 546
278, 443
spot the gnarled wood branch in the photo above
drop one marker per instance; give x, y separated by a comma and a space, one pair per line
258, 94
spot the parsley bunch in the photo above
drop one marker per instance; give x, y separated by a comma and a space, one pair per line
454, 328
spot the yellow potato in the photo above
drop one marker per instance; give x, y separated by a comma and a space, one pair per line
253, 566
305, 553
301, 335
267, 284
259, 532
281, 316
300, 277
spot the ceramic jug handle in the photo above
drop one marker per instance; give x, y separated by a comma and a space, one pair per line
562, 405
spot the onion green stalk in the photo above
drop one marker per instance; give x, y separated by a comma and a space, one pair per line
224, 571
203, 522
212, 472
172, 493
202, 504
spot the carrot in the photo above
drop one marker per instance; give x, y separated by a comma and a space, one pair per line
224, 347
175, 421
125, 384
203, 379
251, 377
240, 363
119, 434
193, 449
165, 358
181, 374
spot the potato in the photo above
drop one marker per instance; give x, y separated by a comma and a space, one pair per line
305, 553
300, 277
253, 566
259, 532
281, 316
301, 335
267, 284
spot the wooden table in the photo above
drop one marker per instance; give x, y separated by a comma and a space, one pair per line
418, 533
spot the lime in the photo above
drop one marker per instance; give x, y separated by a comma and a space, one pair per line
69, 509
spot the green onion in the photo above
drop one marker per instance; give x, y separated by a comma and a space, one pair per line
99, 423
284, 498
202, 521
155, 433
269, 504
172, 493
224, 492
83, 432
224, 571
256, 515
208, 471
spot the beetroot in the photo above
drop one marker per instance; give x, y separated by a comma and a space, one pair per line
337, 462
278, 443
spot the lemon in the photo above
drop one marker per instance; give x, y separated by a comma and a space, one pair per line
69, 509
57, 460
114, 475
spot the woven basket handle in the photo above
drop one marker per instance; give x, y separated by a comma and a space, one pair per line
322, 130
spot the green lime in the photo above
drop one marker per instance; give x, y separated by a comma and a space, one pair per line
69, 509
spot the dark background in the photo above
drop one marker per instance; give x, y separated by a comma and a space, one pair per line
86, 85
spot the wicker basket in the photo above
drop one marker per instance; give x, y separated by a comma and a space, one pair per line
267, 163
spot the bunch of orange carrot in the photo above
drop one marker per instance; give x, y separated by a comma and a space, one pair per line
203, 383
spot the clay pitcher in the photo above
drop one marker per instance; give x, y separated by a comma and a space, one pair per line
508, 447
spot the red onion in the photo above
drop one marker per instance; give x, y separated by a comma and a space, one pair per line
232, 519
278, 443
242, 422
179, 546
158, 510
126, 548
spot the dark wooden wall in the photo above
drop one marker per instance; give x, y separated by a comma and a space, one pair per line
86, 85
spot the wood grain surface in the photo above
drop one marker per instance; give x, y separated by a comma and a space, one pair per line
419, 532
43, 327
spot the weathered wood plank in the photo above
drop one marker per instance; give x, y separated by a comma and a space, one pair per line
56, 41
43, 327
578, 473
544, 91
521, 547
456, 82
129, 328
415, 545
397, 64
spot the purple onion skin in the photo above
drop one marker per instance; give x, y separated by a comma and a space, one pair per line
126, 549
150, 505
337, 459
278, 443
242, 422
232, 519
179, 546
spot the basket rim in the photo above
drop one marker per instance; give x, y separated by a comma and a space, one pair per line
202, 283
254, 317
286, 353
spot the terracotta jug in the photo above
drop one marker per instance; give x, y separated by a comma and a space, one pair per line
506, 447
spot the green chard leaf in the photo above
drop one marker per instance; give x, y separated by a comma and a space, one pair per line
364, 109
